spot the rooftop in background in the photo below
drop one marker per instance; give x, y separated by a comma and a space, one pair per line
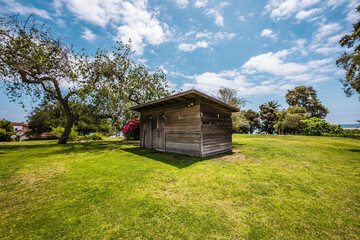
179, 97
23, 124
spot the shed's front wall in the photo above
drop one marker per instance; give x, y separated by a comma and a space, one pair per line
175, 128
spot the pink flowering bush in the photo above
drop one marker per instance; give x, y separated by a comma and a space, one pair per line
132, 130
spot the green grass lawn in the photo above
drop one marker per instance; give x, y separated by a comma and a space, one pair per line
270, 187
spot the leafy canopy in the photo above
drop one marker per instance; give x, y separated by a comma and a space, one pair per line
350, 62
306, 97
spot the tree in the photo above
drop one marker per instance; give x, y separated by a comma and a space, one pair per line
350, 62
229, 96
239, 123
289, 121
51, 115
124, 84
268, 116
6, 130
35, 63
253, 118
306, 97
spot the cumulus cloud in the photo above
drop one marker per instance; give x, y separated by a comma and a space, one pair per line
283, 9
187, 47
88, 35
12, 6
276, 64
131, 19
200, 3
268, 33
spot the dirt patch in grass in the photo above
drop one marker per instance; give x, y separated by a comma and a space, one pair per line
35, 177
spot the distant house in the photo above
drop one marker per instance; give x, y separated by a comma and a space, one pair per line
20, 129
190, 122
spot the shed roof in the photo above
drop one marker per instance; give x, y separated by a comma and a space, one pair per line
183, 96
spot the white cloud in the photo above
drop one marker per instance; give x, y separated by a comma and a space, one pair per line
14, 7
303, 14
241, 18
326, 39
215, 36
182, 3
216, 12
187, 47
276, 65
326, 30
283, 9
131, 19
200, 3
268, 33
89, 35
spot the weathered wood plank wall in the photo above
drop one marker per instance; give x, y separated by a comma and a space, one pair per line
217, 129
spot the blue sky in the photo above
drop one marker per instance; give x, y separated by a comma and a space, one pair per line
262, 48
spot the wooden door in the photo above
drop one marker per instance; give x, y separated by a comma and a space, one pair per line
161, 133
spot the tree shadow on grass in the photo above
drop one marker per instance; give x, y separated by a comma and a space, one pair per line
46, 149
177, 160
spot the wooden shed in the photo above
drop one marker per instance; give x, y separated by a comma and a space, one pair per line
189, 122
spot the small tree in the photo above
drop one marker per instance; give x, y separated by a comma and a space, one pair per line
239, 123
132, 130
6, 130
253, 118
229, 96
268, 116
289, 121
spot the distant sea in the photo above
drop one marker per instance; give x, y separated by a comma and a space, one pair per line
355, 125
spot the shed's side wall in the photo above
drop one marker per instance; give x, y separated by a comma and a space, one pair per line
216, 129
180, 130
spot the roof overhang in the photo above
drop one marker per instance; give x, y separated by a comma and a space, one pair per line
181, 97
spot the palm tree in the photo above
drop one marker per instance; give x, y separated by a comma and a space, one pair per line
273, 104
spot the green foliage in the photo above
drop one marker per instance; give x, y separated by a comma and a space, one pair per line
96, 136
239, 123
350, 62
36, 63
47, 115
268, 116
289, 121
59, 130
6, 130
229, 96
306, 97
253, 118
316, 126
346, 135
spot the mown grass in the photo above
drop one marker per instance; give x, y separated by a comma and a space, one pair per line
270, 187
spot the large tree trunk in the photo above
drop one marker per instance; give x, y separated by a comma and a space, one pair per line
70, 121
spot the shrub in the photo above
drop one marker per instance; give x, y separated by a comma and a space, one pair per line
132, 130
59, 130
316, 127
6, 130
